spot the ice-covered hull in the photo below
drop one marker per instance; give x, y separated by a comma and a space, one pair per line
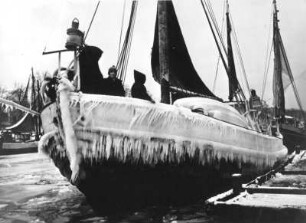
113, 140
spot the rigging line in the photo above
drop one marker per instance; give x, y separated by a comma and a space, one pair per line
214, 35
218, 61
268, 57
239, 54
92, 20
266, 72
130, 40
128, 44
212, 16
214, 20
55, 24
122, 20
78, 54
123, 49
290, 75
123, 54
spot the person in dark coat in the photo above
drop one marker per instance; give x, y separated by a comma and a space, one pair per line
255, 102
112, 85
138, 89
90, 74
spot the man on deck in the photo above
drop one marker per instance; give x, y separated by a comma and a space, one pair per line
112, 85
138, 89
255, 102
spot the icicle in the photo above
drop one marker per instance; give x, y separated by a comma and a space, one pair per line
112, 127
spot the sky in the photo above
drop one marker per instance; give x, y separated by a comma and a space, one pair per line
27, 28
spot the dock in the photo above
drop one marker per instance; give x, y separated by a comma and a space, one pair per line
277, 196
18, 148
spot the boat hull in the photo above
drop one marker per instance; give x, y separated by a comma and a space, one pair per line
111, 185
293, 137
134, 149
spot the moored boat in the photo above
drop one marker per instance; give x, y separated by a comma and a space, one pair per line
118, 150
283, 79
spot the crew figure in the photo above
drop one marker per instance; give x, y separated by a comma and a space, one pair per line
112, 85
91, 78
138, 89
255, 102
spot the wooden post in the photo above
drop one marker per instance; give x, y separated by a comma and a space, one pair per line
163, 50
236, 183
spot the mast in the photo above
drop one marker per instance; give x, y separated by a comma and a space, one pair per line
233, 82
278, 89
234, 86
34, 104
163, 50
282, 72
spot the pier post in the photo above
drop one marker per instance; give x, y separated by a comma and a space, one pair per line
236, 183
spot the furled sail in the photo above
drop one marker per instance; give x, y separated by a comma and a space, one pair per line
182, 73
233, 82
278, 87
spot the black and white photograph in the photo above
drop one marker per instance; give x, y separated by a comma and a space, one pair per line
171, 111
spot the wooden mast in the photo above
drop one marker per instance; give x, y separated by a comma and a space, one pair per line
163, 50
278, 89
34, 104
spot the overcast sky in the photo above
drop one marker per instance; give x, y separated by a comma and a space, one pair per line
29, 27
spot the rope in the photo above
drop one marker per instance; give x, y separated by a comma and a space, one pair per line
125, 51
91, 21
268, 58
266, 72
78, 54
218, 61
129, 45
291, 76
123, 15
239, 55
214, 35
214, 20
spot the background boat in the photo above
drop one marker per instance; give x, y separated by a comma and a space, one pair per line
292, 128
23, 136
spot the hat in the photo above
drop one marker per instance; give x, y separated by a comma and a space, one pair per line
139, 77
112, 68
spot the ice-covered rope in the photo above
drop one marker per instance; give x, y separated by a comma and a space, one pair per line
17, 106
84, 113
75, 157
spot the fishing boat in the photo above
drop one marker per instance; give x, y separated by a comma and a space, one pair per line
293, 131
120, 150
23, 136
18, 138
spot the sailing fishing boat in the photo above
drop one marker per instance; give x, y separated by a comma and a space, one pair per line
28, 124
294, 136
118, 149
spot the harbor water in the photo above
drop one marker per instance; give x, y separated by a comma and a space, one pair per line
33, 190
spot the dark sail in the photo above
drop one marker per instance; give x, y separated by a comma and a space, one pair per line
232, 77
182, 73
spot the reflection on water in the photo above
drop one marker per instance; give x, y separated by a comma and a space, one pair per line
32, 190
